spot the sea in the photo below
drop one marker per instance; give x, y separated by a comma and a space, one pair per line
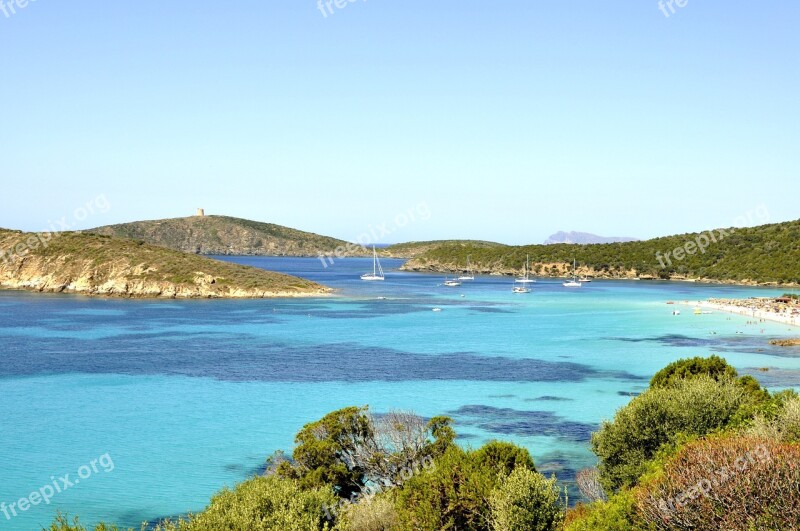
130, 411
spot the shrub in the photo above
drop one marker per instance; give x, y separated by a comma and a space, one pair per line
324, 451
616, 514
784, 426
725, 483
370, 514
588, 481
262, 504
62, 522
503, 457
349, 449
714, 367
660, 416
526, 500
451, 495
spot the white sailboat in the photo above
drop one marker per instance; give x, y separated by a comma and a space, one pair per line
521, 288
469, 275
574, 282
524, 279
377, 270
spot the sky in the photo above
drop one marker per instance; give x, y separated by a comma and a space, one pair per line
503, 121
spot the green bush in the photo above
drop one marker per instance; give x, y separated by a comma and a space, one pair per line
262, 504
526, 500
63, 523
320, 457
616, 514
660, 416
503, 457
782, 425
450, 495
713, 367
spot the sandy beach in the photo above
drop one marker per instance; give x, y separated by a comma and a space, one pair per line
767, 309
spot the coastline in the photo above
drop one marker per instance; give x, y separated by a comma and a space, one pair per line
753, 310
413, 265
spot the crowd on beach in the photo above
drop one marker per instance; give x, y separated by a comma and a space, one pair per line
783, 309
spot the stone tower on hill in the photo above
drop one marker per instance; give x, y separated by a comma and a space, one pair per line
200, 212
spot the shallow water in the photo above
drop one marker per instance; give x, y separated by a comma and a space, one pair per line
188, 396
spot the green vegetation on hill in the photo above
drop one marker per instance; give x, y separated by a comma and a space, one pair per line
700, 449
414, 249
224, 235
102, 265
763, 254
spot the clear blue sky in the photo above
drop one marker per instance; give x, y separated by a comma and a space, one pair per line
510, 120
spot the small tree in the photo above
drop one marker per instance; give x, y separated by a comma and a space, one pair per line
526, 500
326, 451
350, 449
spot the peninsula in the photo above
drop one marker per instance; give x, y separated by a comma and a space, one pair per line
95, 265
762, 255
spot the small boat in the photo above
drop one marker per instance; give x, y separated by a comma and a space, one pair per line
436, 310
522, 289
469, 275
574, 282
451, 283
377, 270
584, 279
524, 279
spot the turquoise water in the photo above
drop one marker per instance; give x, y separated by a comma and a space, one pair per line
185, 397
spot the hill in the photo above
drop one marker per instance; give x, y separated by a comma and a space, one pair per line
414, 249
93, 264
767, 254
585, 238
223, 235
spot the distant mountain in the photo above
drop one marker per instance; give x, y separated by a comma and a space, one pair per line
91, 264
584, 238
223, 235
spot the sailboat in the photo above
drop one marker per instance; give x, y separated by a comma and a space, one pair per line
521, 288
574, 282
524, 278
469, 275
377, 270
